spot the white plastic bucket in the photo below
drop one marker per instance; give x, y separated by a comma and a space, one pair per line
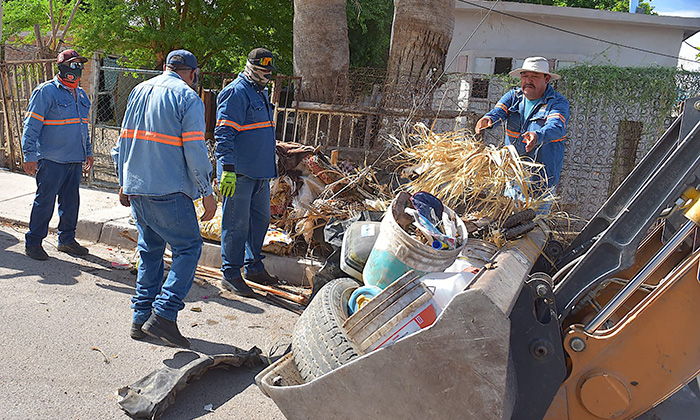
396, 252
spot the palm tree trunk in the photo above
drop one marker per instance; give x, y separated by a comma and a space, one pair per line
420, 36
321, 50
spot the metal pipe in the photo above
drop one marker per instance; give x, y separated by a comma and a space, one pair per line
639, 279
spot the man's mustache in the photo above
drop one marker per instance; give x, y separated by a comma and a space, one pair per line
528, 85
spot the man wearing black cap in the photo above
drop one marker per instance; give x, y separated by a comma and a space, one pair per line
245, 152
56, 147
162, 161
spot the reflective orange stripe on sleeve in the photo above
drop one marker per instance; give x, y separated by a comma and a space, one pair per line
152, 136
557, 115
503, 107
561, 139
192, 136
34, 115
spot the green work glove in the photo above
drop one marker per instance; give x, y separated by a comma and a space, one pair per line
228, 184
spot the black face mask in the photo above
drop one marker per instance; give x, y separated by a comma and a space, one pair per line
70, 72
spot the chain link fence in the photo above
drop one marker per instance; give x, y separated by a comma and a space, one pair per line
606, 136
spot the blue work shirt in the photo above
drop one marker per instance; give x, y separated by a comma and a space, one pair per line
245, 133
161, 148
547, 119
56, 124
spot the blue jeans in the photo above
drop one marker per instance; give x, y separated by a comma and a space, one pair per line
164, 219
52, 179
246, 217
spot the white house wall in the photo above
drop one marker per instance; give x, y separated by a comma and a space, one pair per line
505, 36
592, 134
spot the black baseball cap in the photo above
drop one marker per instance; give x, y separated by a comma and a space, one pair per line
262, 57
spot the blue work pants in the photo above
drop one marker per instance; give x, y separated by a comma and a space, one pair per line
55, 179
246, 216
160, 220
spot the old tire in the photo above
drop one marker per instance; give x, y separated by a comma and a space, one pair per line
319, 343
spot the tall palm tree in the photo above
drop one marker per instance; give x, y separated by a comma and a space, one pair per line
421, 33
321, 50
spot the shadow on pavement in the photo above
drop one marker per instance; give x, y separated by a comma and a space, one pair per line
216, 387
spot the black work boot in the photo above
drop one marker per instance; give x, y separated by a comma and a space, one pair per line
166, 330
262, 277
36, 252
73, 248
136, 332
237, 286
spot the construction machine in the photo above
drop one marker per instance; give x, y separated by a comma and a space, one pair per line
609, 333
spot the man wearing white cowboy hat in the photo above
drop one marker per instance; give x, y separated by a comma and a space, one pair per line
536, 117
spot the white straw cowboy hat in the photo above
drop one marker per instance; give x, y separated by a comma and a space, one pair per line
536, 64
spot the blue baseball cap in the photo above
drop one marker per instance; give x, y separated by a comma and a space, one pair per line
181, 58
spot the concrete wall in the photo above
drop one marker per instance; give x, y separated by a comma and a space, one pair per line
507, 36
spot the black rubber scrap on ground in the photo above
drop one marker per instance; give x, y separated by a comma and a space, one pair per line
148, 397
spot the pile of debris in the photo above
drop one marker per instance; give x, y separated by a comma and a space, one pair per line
484, 184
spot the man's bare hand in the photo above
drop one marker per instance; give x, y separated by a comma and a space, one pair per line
209, 203
29, 167
482, 124
89, 161
530, 140
124, 199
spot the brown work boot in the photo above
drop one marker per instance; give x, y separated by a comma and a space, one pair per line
262, 277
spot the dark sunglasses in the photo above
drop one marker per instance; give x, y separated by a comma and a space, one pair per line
75, 65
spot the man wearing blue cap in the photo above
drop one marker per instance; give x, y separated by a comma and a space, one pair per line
162, 162
245, 153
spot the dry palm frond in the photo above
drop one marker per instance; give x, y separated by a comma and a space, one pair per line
342, 199
463, 172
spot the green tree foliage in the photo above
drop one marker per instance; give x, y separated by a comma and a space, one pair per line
369, 32
220, 33
612, 5
21, 15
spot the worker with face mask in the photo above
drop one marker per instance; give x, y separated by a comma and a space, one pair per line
56, 147
245, 153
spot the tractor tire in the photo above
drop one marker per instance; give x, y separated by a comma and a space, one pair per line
319, 342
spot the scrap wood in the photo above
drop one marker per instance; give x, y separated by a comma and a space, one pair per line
283, 303
300, 299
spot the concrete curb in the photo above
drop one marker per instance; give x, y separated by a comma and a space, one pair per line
102, 220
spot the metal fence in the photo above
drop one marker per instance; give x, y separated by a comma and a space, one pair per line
17, 80
605, 138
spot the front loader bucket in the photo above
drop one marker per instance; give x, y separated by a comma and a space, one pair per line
461, 367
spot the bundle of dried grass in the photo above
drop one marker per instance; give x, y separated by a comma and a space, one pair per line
466, 174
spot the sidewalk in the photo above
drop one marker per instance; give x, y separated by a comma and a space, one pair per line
102, 219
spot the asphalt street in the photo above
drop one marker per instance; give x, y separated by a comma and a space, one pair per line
66, 348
